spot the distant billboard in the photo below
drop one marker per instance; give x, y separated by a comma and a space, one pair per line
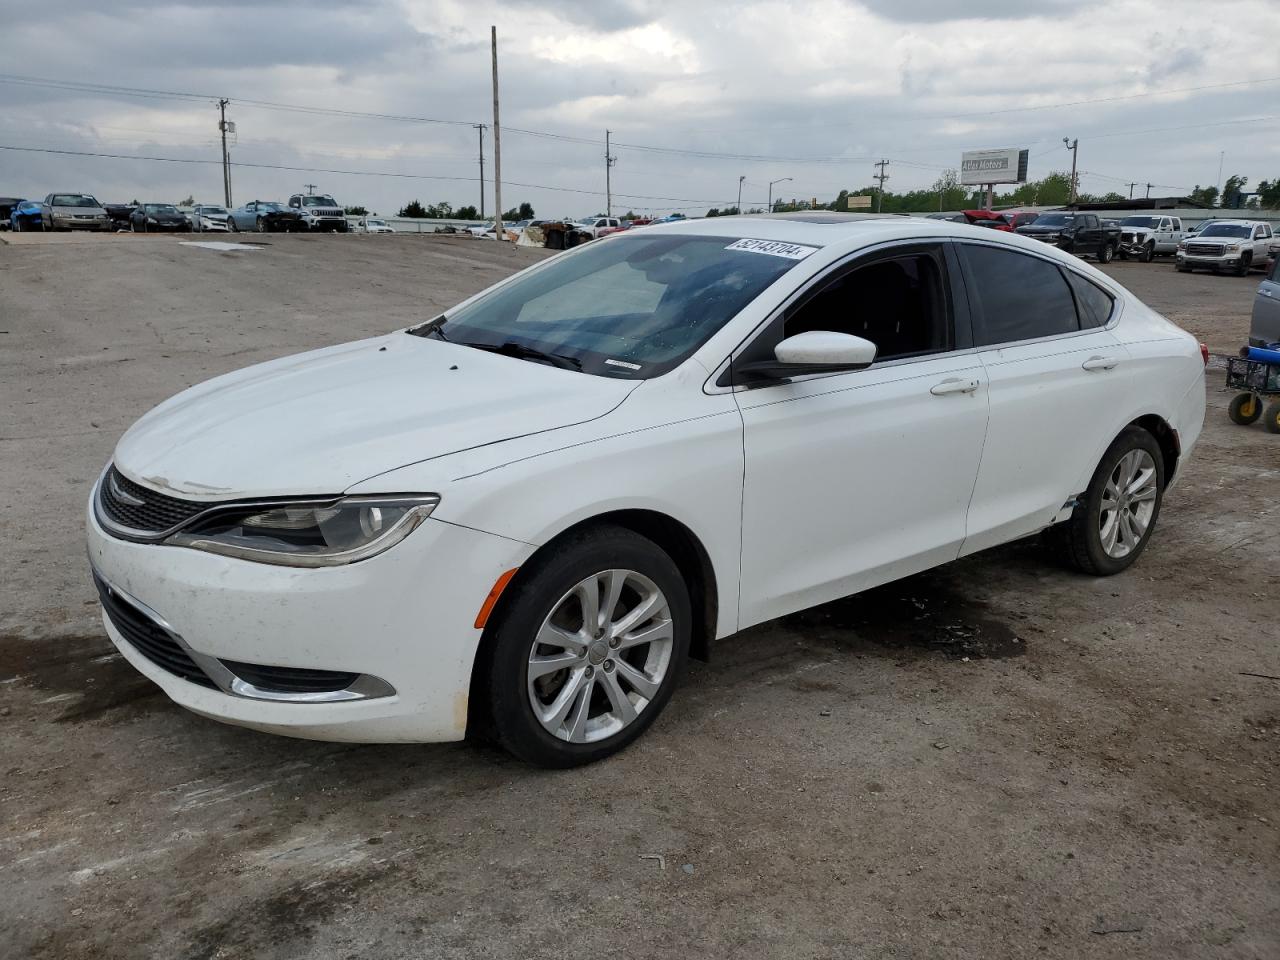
978, 167
858, 203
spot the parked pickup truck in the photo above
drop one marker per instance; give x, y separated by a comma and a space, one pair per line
1079, 233
1144, 237
1235, 245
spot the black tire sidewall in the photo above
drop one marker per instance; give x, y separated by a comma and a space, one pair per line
1085, 532
1235, 413
1271, 417
526, 603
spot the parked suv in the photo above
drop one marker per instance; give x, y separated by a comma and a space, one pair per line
1236, 245
319, 211
1078, 233
1144, 237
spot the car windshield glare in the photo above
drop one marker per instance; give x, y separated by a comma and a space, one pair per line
73, 200
634, 307
1226, 230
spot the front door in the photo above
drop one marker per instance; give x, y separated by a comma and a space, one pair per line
857, 478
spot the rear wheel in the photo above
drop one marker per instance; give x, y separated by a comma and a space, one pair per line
1271, 417
589, 649
1112, 522
1244, 409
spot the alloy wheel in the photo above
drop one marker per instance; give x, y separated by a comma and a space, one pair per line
1128, 503
600, 656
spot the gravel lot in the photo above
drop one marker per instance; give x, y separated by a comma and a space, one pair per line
994, 759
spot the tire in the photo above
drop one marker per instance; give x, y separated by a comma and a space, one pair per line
555, 240
1080, 541
1148, 253
231, 225
1106, 253
583, 721
1271, 417
261, 225
1182, 268
1246, 264
1244, 409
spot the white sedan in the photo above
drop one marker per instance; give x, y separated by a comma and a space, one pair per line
519, 518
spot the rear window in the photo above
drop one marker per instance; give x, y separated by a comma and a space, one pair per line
1019, 297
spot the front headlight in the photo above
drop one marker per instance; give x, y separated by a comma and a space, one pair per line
309, 533
1232, 247
1182, 245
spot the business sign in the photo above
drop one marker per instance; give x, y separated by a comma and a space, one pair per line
978, 167
858, 203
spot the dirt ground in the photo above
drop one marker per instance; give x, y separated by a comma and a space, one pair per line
995, 759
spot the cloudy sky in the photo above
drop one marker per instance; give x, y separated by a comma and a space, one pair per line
697, 93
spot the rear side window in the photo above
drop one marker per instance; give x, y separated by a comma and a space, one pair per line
1019, 297
1092, 302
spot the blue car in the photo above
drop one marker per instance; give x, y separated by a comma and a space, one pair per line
26, 216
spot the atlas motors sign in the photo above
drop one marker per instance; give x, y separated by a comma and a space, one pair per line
978, 167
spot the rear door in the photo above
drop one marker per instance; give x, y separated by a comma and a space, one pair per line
1265, 327
1055, 375
860, 477
1089, 236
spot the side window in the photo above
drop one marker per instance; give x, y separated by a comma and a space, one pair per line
1019, 297
1093, 304
899, 304
1177, 224
1258, 233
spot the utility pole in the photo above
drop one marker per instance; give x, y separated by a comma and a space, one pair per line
740, 179
1149, 186
480, 130
609, 161
1222, 155
1072, 145
882, 177
226, 161
1131, 186
311, 188
499, 233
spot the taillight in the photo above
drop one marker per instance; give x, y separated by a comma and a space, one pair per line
1204, 353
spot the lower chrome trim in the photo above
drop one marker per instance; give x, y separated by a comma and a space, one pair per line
364, 687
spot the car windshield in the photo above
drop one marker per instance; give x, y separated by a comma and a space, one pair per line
635, 307
1054, 219
217, 211
1226, 230
319, 202
160, 208
74, 200
1139, 221
376, 223
269, 205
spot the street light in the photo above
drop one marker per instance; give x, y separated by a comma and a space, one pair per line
771, 183
740, 179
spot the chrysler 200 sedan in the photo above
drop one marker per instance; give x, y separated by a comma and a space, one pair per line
519, 518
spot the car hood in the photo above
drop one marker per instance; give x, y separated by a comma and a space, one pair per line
1034, 228
319, 422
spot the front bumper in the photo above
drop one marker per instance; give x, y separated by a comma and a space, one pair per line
74, 223
327, 223
1227, 261
406, 616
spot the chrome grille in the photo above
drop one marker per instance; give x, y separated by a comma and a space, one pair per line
131, 505
1204, 249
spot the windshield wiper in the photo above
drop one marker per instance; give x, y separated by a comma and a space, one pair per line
521, 351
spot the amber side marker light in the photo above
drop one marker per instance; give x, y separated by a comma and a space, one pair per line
491, 600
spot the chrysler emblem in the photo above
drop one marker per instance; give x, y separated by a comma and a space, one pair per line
121, 495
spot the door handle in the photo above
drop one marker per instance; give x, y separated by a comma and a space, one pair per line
954, 385
1100, 363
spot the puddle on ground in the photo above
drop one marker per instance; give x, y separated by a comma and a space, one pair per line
923, 613
78, 678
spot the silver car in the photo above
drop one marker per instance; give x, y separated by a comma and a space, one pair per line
1264, 330
73, 211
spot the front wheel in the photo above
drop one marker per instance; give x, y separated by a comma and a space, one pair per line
588, 650
1113, 520
261, 225
231, 225
1107, 252
1244, 409
1246, 264
1148, 253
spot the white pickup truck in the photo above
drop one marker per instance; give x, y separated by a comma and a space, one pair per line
1235, 245
1143, 237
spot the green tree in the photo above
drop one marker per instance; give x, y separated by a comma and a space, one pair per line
713, 212
1269, 194
413, 209
355, 211
1206, 195
1231, 191
525, 211
467, 213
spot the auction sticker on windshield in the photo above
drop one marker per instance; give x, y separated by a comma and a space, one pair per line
774, 248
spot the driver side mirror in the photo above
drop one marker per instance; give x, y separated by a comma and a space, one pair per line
815, 351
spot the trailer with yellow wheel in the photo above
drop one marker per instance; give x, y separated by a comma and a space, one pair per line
1259, 381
